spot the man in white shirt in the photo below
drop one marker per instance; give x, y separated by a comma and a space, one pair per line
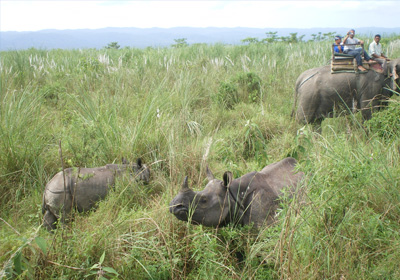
375, 51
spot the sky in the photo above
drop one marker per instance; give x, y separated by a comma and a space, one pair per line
33, 15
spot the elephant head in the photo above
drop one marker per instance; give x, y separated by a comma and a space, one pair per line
394, 70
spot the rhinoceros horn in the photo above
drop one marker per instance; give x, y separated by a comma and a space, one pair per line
185, 187
210, 176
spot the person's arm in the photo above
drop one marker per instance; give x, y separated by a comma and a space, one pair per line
345, 38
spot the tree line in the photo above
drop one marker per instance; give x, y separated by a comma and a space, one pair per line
292, 38
271, 37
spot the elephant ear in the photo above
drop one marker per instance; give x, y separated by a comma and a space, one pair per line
395, 76
228, 178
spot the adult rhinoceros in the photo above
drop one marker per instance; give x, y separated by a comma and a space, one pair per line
318, 92
252, 198
81, 188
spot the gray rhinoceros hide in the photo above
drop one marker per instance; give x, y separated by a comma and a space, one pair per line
319, 93
252, 198
81, 188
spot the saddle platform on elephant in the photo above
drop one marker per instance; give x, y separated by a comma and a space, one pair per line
345, 63
349, 65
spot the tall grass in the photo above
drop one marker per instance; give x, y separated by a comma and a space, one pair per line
169, 107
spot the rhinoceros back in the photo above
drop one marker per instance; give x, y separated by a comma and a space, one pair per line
83, 187
90, 185
282, 174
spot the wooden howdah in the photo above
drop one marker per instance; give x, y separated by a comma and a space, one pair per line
341, 63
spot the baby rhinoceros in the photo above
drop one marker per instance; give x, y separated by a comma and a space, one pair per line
81, 188
252, 198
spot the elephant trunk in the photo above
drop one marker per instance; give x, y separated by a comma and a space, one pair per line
394, 76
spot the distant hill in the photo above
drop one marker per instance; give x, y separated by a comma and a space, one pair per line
155, 37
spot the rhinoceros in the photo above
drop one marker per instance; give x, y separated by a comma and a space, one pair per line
81, 188
250, 199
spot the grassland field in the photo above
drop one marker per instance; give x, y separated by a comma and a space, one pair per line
180, 109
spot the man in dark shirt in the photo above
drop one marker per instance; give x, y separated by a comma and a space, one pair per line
338, 45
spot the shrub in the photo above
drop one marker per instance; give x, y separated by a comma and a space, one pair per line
386, 123
227, 95
244, 87
249, 86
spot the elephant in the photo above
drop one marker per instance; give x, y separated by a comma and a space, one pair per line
250, 199
81, 188
318, 92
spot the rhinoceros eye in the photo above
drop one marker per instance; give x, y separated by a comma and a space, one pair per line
203, 200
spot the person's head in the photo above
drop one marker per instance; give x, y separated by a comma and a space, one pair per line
338, 39
377, 38
351, 33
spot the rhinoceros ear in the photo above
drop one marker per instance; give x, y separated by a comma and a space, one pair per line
139, 162
228, 177
124, 161
185, 185
210, 176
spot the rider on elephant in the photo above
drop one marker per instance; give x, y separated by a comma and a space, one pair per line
376, 53
338, 46
356, 52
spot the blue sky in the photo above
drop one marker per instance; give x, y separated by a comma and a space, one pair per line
38, 15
